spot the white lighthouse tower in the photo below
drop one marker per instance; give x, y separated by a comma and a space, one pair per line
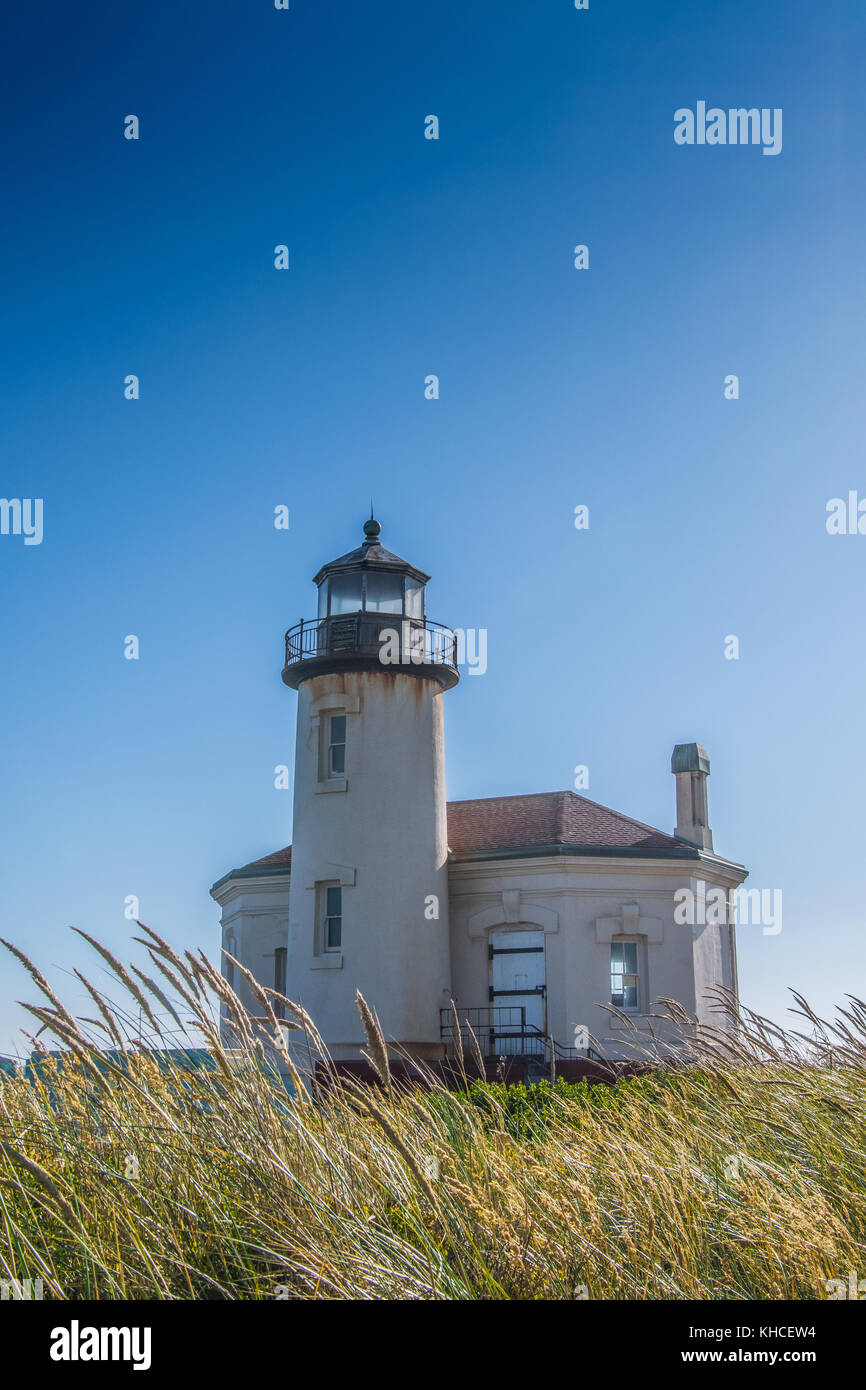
368, 901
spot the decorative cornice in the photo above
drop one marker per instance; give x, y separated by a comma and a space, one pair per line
334, 699
493, 862
244, 877
513, 910
605, 866
580, 851
629, 923
326, 871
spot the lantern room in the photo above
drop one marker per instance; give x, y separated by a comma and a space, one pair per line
371, 603
371, 580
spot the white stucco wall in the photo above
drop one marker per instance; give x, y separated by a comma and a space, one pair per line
395, 955
255, 922
582, 904
383, 836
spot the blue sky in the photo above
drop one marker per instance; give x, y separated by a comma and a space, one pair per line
306, 388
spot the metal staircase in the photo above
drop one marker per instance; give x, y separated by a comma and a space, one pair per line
503, 1032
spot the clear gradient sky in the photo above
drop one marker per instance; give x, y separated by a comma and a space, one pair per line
306, 387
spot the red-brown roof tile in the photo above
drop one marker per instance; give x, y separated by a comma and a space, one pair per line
279, 857
547, 818
539, 820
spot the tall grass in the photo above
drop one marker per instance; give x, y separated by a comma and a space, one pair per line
123, 1175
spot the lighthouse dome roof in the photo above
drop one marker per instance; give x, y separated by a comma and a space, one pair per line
371, 554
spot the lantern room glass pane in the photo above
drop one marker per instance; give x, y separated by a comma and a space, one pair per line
323, 599
345, 592
414, 598
384, 592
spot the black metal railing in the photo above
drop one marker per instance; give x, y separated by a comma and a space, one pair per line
502, 1030
576, 1054
392, 638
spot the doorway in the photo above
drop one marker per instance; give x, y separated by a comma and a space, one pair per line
518, 990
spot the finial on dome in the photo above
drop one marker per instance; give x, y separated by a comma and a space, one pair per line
372, 529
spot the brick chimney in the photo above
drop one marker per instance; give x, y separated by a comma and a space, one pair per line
691, 767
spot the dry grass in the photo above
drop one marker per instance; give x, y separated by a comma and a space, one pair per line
742, 1176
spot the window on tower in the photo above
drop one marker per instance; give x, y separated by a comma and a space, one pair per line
337, 745
333, 925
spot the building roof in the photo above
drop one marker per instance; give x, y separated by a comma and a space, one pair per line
533, 826
373, 555
281, 858
547, 819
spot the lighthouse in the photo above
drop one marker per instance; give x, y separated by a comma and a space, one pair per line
368, 901
546, 923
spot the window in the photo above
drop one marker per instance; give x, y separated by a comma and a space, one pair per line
280, 979
384, 592
333, 932
624, 975
345, 592
414, 598
332, 751
371, 591
336, 763
230, 945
